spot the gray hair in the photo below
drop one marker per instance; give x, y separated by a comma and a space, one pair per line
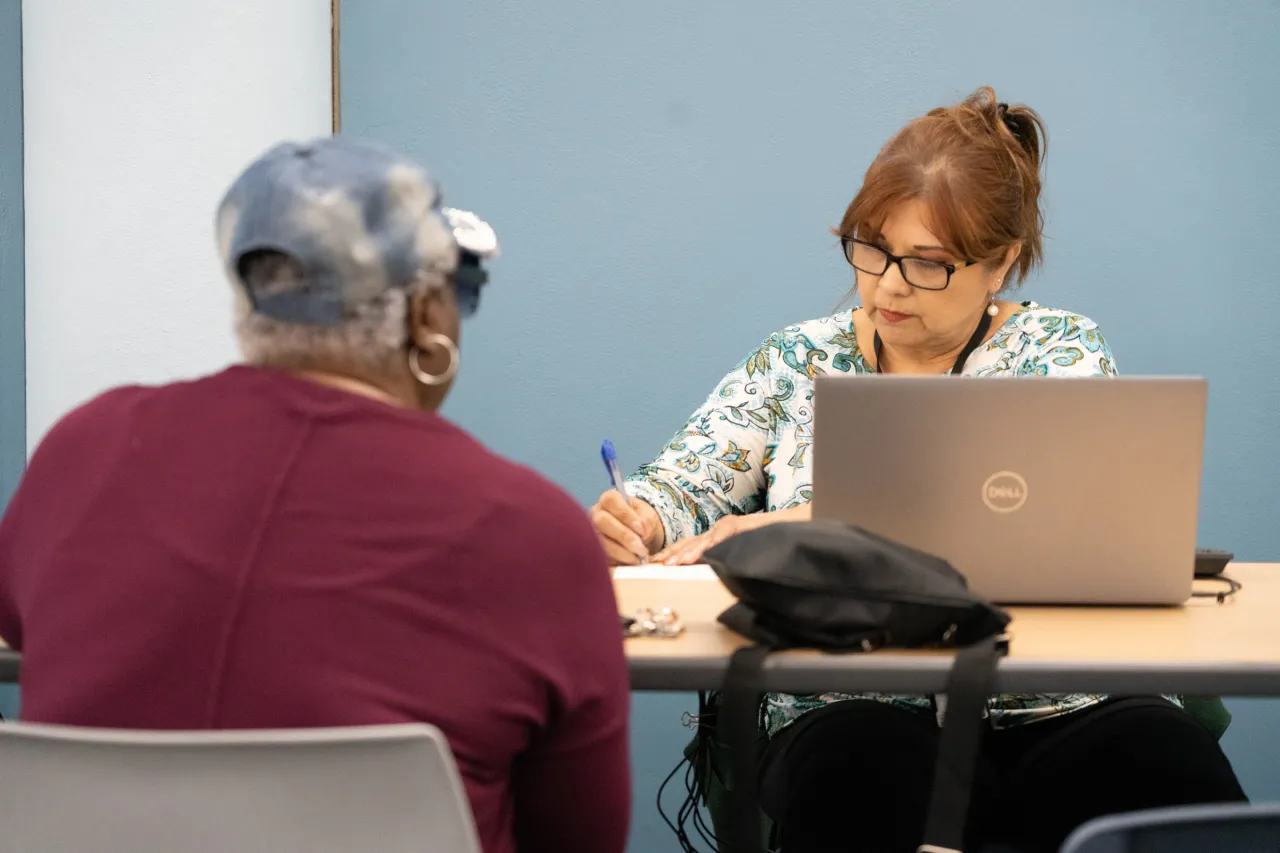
371, 337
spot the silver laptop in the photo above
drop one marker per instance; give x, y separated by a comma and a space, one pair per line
1039, 490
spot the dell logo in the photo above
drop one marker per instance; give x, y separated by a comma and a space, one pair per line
1004, 491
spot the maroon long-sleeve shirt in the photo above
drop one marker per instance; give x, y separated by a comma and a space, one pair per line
254, 550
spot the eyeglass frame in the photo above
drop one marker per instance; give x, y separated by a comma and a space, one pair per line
891, 259
467, 279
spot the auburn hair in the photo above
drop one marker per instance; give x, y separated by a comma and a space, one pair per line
976, 167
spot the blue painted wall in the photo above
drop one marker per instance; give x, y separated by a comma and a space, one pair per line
663, 175
13, 393
13, 397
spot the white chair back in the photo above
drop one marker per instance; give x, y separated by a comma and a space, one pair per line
375, 789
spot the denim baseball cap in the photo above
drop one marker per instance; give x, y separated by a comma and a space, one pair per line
359, 220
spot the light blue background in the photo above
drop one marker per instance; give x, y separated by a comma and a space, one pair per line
13, 398
663, 176
13, 394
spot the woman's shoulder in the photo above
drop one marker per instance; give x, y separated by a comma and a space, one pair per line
1039, 339
520, 491
508, 506
512, 483
831, 331
809, 348
1041, 326
83, 426
1032, 315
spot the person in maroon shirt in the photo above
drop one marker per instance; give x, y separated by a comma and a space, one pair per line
300, 541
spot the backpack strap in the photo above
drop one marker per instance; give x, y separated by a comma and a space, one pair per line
972, 680
740, 718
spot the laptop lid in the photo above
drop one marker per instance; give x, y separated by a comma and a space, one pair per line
1047, 490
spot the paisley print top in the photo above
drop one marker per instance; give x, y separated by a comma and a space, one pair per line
749, 448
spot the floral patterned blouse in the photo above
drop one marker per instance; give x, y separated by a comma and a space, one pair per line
749, 448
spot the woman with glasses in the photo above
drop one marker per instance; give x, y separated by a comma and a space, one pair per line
301, 541
946, 223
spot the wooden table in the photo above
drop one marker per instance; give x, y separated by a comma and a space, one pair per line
1230, 649
1203, 647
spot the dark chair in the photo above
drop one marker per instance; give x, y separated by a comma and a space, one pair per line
1237, 827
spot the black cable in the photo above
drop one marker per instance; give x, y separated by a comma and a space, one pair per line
1233, 586
675, 827
690, 824
707, 833
698, 788
688, 807
693, 810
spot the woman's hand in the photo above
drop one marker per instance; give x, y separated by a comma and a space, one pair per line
689, 551
629, 530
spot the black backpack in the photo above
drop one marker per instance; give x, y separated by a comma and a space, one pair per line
831, 586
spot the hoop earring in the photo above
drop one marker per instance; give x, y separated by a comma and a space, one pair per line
435, 378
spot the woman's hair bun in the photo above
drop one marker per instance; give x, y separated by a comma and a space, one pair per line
1021, 122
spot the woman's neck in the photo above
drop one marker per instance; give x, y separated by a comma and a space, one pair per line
904, 361
911, 361
353, 385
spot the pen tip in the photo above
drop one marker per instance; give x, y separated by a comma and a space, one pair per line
606, 450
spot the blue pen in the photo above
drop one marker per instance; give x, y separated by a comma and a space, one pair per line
610, 457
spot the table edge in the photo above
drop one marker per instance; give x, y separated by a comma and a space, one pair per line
927, 674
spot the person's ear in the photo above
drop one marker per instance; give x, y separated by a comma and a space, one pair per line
433, 338
1002, 273
433, 311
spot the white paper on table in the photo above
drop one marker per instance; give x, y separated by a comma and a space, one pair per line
664, 573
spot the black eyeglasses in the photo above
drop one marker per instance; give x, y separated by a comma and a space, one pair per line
917, 272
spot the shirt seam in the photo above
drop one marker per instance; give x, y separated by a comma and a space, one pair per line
221, 654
